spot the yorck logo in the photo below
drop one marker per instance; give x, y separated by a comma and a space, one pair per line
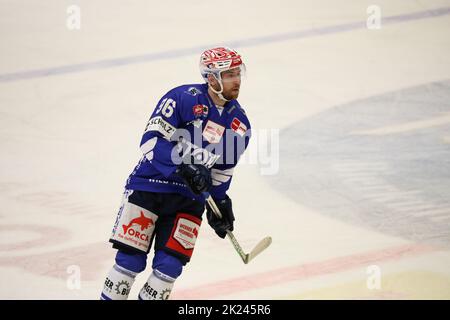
141, 221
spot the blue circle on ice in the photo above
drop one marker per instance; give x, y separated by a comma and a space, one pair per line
382, 163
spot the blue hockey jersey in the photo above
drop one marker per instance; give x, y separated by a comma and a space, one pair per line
187, 127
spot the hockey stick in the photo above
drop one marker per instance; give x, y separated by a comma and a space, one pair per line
246, 257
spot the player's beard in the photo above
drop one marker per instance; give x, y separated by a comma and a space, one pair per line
231, 94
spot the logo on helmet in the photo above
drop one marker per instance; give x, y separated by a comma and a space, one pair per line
219, 59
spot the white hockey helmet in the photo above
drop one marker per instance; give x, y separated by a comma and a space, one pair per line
216, 60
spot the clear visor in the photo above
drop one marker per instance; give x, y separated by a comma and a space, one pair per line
233, 74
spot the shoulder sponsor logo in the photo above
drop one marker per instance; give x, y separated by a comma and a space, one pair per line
200, 110
162, 126
193, 91
213, 132
239, 127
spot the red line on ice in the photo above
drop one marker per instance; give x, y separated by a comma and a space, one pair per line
299, 272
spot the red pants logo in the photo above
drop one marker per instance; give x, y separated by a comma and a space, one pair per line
142, 221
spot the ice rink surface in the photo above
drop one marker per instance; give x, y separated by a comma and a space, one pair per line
349, 172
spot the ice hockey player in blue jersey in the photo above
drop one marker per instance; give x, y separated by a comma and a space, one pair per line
191, 144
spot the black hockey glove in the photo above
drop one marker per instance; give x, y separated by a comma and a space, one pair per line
221, 225
196, 176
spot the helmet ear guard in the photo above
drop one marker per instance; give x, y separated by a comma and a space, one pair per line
219, 93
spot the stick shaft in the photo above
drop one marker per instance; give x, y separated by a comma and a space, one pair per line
230, 234
246, 257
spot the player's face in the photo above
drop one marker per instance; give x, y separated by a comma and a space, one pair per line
231, 81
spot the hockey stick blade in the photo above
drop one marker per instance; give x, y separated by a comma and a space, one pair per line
246, 257
260, 247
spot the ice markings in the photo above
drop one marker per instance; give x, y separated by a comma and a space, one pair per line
382, 163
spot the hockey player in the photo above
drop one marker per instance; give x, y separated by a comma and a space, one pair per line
190, 146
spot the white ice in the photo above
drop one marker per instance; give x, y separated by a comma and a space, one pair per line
69, 141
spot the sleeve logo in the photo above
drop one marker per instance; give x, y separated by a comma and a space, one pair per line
239, 127
160, 125
200, 110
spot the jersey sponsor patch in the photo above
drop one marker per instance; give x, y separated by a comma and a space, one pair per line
184, 234
134, 226
193, 91
200, 110
213, 132
239, 127
160, 125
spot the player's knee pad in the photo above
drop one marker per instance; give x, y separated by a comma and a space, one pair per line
135, 262
166, 268
157, 287
167, 264
118, 284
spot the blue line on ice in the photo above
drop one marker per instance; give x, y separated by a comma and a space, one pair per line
171, 54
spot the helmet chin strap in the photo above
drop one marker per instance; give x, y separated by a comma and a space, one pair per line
219, 93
